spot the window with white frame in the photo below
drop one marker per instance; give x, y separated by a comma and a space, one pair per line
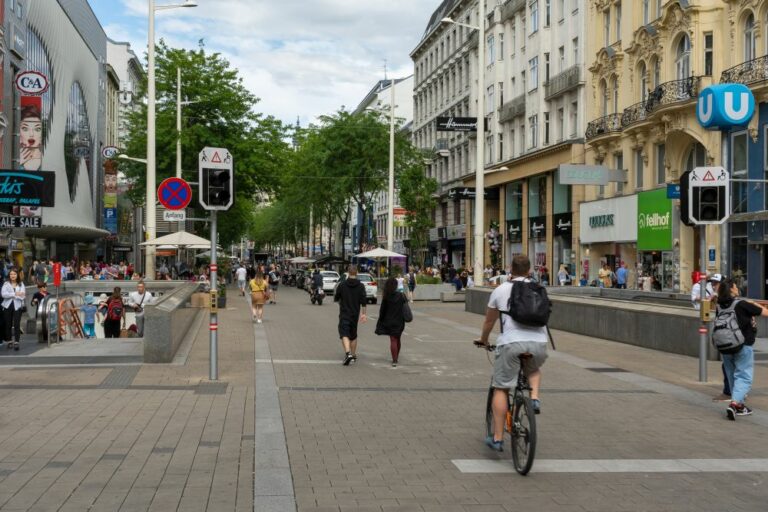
560, 124
639, 169
607, 27
521, 131
709, 43
604, 95
561, 59
561, 10
501, 146
750, 38
574, 119
615, 89
501, 45
575, 51
656, 73
618, 22
658, 8
683, 58
533, 65
642, 72
501, 94
546, 128
547, 12
546, 67
618, 162
661, 171
533, 124
534, 7
489, 105
490, 51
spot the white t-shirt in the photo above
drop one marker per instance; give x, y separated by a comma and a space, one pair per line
513, 331
241, 273
137, 299
696, 295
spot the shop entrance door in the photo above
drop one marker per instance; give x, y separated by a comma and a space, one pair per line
668, 270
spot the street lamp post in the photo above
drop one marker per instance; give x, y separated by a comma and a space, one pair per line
151, 199
391, 189
479, 232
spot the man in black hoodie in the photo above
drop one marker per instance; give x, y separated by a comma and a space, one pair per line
350, 294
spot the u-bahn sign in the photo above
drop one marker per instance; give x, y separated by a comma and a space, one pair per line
725, 106
23, 188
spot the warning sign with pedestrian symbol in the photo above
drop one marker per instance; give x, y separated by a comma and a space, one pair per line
215, 158
174, 194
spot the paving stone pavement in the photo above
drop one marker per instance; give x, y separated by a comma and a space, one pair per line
373, 437
133, 437
368, 436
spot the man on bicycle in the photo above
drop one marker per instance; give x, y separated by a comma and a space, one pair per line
515, 339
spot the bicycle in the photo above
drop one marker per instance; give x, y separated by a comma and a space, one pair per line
520, 422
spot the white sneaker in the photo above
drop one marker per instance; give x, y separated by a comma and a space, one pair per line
258, 321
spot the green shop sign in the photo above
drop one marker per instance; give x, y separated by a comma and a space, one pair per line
654, 221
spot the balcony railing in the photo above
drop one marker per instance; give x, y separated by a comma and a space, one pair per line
510, 7
750, 72
668, 93
606, 124
562, 82
512, 109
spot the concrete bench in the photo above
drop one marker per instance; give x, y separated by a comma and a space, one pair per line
453, 296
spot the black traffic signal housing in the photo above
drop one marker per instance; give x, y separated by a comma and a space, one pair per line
709, 203
685, 199
217, 189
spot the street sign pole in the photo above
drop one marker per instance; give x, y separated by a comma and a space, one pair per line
704, 327
213, 373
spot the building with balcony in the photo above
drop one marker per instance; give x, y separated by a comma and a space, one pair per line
648, 61
746, 149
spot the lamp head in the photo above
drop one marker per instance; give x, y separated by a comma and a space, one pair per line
447, 20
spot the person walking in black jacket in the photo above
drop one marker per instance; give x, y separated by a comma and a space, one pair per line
391, 320
350, 294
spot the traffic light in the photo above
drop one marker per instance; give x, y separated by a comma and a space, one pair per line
684, 199
216, 188
708, 204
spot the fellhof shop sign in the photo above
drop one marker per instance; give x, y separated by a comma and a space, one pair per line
21, 188
654, 221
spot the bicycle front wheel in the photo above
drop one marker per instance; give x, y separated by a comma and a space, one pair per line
523, 434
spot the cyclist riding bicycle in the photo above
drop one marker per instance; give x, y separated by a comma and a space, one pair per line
317, 281
515, 339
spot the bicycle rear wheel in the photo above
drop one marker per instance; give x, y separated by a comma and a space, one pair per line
489, 414
523, 434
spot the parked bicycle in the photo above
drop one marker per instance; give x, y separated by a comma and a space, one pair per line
520, 422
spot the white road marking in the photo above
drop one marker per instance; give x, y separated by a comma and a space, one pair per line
618, 466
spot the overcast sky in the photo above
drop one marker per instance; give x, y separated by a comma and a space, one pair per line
303, 58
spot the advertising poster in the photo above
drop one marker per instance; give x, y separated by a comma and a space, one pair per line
110, 197
31, 133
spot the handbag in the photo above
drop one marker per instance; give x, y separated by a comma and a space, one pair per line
407, 313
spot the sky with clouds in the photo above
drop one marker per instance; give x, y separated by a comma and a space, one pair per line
303, 58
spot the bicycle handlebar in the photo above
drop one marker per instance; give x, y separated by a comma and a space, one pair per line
486, 346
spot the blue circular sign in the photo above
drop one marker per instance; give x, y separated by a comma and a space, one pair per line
174, 194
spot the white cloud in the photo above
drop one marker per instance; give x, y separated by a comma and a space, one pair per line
301, 57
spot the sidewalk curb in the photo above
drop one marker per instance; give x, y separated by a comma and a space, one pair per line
272, 480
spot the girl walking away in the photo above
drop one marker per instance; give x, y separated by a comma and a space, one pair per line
738, 362
391, 320
115, 315
259, 295
13, 293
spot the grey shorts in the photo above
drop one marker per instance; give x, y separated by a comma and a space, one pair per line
507, 364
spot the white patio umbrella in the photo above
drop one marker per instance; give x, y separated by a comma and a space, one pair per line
180, 239
379, 253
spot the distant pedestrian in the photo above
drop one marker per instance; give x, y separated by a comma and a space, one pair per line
138, 300
739, 363
90, 311
13, 293
400, 283
350, 294
115, 316
242, 275
411, 284
40, 294
621, 276
391, 320
259, 294
274, 282
604, 275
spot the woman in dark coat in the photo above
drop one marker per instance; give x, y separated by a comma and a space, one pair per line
391, 321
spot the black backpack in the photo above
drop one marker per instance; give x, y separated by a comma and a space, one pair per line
529, 304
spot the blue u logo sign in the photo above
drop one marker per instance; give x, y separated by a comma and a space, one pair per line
725, 106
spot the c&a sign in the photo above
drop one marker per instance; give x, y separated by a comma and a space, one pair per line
27, 188
725, 106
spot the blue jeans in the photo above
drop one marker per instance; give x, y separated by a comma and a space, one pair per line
739, 368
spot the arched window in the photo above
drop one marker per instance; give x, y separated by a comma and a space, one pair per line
683, 58
656, 72
615, 87
750, 39
604, 94
643, 73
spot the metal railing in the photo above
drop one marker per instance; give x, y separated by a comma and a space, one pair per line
750, 72
606, 124
512, 109
562, 82
668, 93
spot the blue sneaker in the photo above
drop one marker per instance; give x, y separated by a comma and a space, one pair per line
536, 406
494, 445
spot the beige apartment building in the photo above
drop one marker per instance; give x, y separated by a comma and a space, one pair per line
647, 61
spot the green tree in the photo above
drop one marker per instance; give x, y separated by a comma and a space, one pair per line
224, 114
417, 197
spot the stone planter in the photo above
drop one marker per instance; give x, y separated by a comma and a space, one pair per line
431, 291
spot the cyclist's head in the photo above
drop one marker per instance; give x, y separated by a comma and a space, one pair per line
521, 266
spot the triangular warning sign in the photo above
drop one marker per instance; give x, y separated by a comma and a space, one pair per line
709, 176
217, 159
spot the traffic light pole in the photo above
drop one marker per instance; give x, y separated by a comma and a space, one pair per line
703, 328
213, 373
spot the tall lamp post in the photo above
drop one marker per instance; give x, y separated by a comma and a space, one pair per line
479, 232
151, 199
391, 188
